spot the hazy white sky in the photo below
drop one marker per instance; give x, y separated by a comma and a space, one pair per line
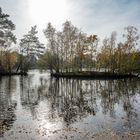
99, 17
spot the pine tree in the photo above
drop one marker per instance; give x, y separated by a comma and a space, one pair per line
30, 48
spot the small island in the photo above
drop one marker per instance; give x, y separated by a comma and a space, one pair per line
73, 54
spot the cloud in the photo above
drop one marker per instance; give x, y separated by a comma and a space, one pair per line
99, 17
102, 17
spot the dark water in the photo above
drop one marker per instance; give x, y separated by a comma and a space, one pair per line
38, 107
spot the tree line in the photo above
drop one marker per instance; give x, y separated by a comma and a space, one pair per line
71, 50
68, 50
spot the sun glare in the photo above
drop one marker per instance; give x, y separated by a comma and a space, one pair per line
43, 11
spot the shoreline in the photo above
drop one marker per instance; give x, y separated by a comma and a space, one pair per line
92, 75
13, 73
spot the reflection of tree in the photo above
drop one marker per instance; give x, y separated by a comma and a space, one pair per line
128, 91
7, 105
68, 98
108, 97
120, 92
71, 99
29, 94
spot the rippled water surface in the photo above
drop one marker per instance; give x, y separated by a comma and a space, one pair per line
38, 107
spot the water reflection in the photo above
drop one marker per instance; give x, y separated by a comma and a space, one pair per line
29, 93
75, 99
7, 105
69, 102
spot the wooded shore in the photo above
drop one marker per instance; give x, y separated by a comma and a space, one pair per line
12, 73
92, 74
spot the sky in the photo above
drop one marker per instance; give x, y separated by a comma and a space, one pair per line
99, 17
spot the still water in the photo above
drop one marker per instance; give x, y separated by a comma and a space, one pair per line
38, 107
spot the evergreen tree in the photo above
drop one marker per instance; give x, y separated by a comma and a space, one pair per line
30, 48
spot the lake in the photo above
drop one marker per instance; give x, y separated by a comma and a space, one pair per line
38, 107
